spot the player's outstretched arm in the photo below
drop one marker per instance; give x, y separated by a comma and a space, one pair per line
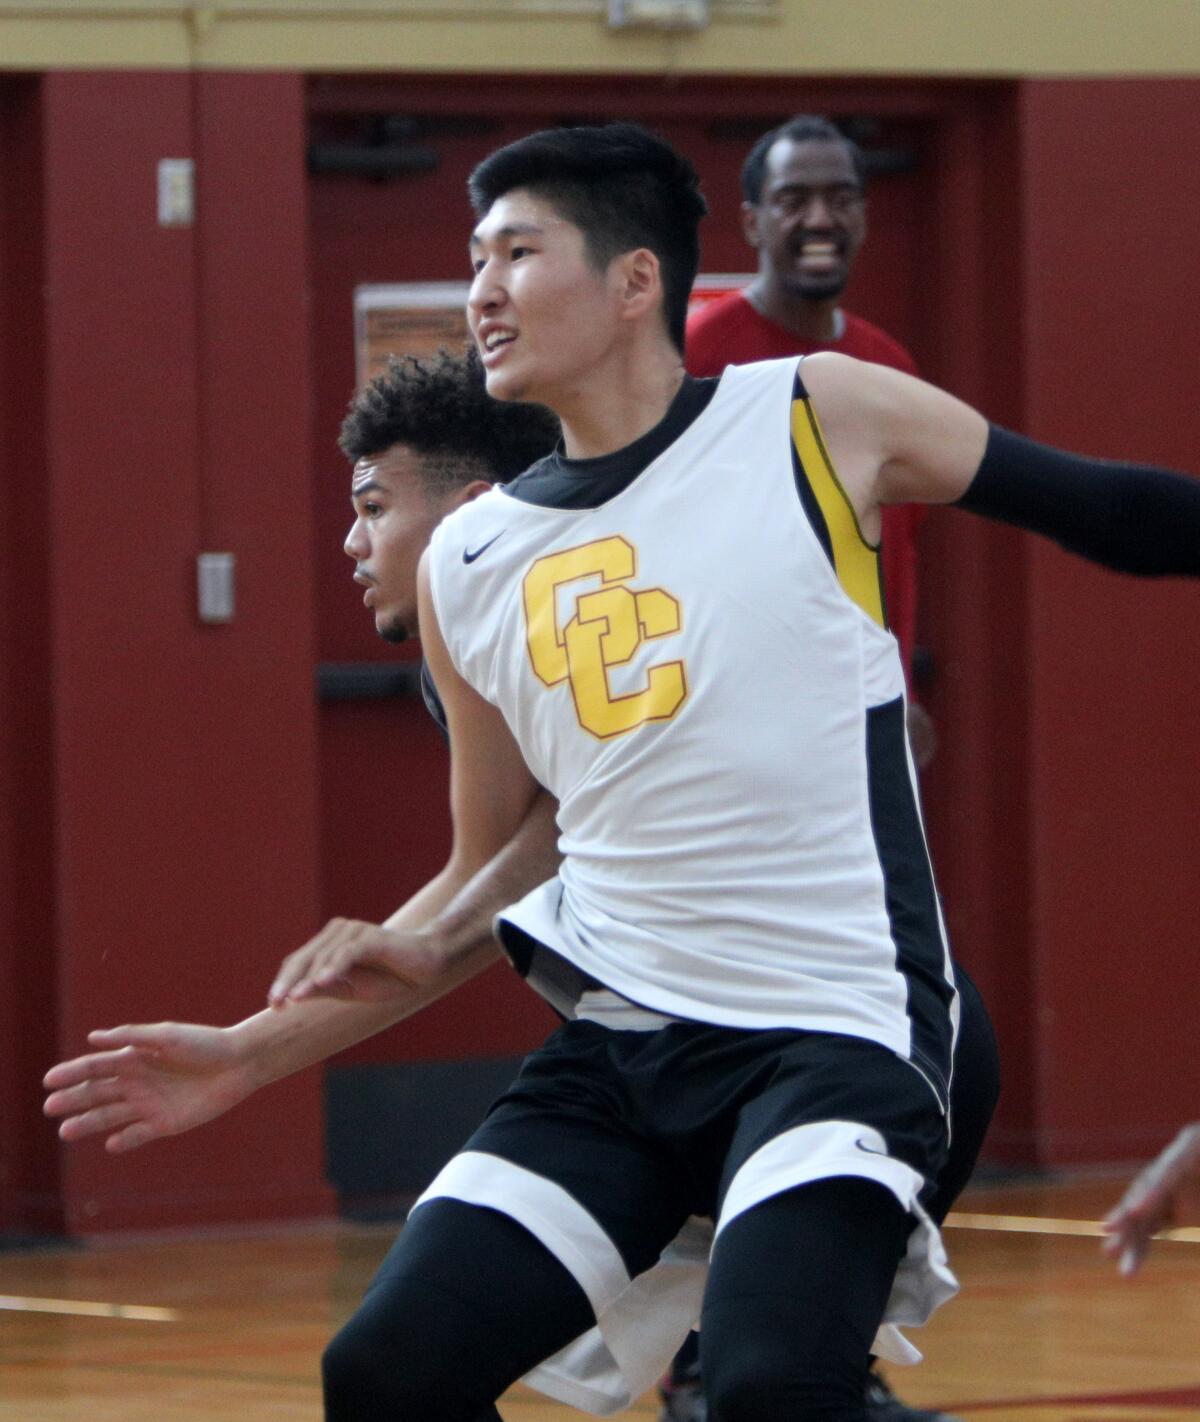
1148, 1205
895, 439
492, 793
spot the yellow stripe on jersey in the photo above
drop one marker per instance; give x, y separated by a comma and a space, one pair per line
855, 561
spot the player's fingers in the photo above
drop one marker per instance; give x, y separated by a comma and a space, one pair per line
293, 970
74, 1099
95, 1064
1133, 1255
325, 978
138, 1134
296, 967
332, 987
146, 1035
352, 950
97, 1122
331, 961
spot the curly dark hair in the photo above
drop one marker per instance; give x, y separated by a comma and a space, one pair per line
438, 405
622, 186
804, 128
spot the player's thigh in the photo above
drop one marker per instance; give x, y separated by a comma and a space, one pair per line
797, 1290
560, 1152
465, 1303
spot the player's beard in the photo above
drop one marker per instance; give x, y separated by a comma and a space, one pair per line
393, 631
816, 288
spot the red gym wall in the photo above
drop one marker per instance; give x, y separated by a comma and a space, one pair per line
162, 839
176, 811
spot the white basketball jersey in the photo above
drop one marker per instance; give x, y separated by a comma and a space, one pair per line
699, 671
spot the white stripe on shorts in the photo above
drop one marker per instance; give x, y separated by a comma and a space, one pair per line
641, 1322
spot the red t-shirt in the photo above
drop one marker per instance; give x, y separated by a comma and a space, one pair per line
729, 331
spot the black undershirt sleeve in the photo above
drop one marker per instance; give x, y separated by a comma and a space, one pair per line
1131, 517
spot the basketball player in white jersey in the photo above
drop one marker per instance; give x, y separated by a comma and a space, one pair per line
674, 625
423, 438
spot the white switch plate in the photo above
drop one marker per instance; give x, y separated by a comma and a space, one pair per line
176, 192
215, 587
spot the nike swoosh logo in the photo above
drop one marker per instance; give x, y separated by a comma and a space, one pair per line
870, 1149
469, 557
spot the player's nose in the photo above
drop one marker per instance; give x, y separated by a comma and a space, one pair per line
355, 544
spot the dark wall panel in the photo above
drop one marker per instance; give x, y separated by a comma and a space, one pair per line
29, 1178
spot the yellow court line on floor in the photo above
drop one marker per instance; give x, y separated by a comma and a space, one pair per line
1035, 1224
144, 1313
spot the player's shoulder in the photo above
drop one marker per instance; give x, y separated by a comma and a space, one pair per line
464, 523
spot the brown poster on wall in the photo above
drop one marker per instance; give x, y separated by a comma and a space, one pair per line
407, 318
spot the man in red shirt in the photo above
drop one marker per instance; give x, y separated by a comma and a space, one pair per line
804, 213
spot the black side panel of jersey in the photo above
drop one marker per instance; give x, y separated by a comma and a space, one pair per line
910, 893
433, 702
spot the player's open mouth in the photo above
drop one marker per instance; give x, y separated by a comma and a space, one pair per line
820, 255
495, 341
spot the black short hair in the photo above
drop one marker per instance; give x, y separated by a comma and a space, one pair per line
804, 128
439, 406
622, 186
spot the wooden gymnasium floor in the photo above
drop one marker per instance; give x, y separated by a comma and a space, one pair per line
229, 1327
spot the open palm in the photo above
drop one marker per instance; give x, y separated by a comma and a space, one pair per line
148, 1081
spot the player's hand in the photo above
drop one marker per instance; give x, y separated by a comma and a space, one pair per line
361, 961
922, 734
1148, 1205
146, 1082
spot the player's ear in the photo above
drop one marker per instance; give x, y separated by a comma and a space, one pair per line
749, 214
640, 281
468, 492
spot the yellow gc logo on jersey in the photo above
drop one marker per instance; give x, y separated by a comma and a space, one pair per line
609, 624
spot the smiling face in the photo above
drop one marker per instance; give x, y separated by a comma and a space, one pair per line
810, 221
395, 514
544, 318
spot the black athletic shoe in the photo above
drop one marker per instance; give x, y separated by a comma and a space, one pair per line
884, 1406
683, 1401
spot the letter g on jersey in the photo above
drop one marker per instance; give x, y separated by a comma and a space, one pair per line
609, 624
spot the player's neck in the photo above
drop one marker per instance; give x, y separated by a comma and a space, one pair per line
619, 402
818, 322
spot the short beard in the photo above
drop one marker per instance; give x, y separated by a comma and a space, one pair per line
809, 290
393, 632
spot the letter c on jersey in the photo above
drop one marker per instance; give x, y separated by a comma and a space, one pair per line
608, 626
